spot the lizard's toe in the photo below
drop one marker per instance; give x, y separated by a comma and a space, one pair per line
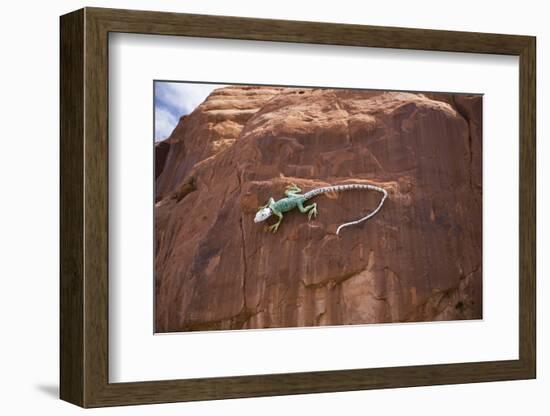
312, 213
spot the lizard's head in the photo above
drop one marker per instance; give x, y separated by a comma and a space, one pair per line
263, 214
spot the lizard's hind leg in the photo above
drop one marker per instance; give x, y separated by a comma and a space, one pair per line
292, 190
310, 209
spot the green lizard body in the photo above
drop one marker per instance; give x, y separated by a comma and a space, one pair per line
294, 199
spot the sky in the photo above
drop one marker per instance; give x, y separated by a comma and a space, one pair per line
175, 99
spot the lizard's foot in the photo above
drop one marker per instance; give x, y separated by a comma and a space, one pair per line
312, 212
293, 188
273, 228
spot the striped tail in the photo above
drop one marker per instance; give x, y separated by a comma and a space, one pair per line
347, 187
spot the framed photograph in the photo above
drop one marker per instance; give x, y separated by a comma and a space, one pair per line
255, 207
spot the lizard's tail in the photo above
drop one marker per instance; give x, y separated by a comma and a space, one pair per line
375, 188
346, 187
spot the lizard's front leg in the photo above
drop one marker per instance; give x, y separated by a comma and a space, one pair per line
273, 228
310, 209
271, 201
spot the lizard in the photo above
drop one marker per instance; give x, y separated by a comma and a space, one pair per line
295, 199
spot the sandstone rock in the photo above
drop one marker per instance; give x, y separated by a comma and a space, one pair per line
418, 259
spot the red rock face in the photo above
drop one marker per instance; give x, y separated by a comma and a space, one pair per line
418, 259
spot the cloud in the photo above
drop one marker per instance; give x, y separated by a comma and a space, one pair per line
165, 122
175, 99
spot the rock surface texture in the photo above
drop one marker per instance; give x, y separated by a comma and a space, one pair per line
418, 259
